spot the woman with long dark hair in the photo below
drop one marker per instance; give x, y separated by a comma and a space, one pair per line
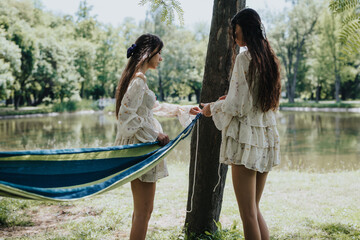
246, 117
135, 105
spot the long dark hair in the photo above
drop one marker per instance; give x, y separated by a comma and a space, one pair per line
264, 64
145, 47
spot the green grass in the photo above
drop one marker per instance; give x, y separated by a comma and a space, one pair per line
321, 104
69, 106
24, 111
296, 205
13, 213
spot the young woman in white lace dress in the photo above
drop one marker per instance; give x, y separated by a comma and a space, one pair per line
135, 106
246, 117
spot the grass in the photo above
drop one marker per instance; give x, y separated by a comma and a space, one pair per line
68, 106
72, 106
296, 205
327, 104
7, 111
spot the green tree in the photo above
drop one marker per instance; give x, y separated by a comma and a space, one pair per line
23, 36
289, 38
110, 60
10, 55
85, 23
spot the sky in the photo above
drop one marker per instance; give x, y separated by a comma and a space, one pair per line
115, 11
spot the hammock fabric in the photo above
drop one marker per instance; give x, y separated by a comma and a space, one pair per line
71, 174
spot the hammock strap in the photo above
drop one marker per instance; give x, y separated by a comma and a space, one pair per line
196, 153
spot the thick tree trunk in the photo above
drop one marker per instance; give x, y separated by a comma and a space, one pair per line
206, 204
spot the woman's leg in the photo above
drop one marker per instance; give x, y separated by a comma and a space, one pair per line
143, 197
260, 184
244, 181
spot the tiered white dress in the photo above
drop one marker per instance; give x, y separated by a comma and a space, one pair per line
136, 122
249, 135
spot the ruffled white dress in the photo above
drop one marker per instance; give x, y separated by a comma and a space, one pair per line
249, 135
136, 122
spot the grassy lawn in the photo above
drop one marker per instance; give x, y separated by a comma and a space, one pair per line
296, 205
323, 104
90, 105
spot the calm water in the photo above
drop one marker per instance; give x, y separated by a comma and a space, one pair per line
321, 142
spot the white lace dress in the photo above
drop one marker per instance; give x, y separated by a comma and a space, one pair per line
136, 123
249, 135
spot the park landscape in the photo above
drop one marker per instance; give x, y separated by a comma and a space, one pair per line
50, 87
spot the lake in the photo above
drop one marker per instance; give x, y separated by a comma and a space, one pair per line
312, 142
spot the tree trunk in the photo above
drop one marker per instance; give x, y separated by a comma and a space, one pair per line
16, 100
82, 90
161, 90
197, 93
318, 91
294, 75
337, 81
206, 204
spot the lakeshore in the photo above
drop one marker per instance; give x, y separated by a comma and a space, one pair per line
345, 107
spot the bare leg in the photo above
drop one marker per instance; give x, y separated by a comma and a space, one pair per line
244, 181
260, 183
143, 197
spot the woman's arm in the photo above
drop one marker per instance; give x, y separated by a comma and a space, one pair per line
237, 102
131, 123
173, 110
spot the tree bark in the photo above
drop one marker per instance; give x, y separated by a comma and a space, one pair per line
318, 91
161, 89
337, 80
206, 204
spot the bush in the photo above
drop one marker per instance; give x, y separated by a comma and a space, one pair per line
69, 106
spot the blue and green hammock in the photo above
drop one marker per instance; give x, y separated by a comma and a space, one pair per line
71, 174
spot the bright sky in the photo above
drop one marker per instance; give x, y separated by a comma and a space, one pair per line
114, 11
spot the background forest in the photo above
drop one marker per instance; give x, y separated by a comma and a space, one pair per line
47, 58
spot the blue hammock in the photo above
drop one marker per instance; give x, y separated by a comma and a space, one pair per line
70, 174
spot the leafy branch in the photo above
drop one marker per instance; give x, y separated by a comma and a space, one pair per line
349, 35
168, 9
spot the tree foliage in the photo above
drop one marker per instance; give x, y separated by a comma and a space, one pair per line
306, 40
47, 56
350, 32
168, 9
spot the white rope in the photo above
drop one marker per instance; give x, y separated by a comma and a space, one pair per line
219, 168
193, 187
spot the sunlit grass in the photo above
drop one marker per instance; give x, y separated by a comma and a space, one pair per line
296, 205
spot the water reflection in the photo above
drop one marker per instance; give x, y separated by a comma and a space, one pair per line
318, 142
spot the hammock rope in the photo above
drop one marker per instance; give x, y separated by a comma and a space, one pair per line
71, 174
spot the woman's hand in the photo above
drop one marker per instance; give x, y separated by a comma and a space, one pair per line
222, 97
163, 139
195, 110
206, 111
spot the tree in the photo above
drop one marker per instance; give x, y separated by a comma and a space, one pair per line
331, 46
206, 203
108, 62
290, 38
23, 36
10, 55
